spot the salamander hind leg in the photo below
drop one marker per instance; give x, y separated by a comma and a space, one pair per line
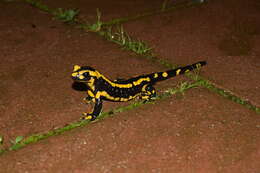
148, 93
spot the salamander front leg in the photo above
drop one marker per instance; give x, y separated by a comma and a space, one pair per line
96, 111
90, 98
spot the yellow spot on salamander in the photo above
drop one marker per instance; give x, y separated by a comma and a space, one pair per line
139, 81
76, 67
123, 99
144, 88
116, 98
145, 97
129, 85
122, 85
187, 71
90, 93
74, 74
165, 74
88, 117
178, 71
106, 95
155, 75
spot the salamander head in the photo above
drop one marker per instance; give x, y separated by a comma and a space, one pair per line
84, 74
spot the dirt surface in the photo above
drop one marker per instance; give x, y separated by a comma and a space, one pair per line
199, 131
226, 34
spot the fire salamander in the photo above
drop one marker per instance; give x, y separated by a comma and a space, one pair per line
101, 88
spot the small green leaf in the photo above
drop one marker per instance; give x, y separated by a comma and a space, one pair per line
18, 139
66, 15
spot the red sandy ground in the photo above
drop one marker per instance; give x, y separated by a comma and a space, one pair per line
194, 133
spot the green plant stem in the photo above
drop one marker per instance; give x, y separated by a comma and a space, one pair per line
183, 4
41, 136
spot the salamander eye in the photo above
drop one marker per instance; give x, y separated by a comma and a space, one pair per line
86, 75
